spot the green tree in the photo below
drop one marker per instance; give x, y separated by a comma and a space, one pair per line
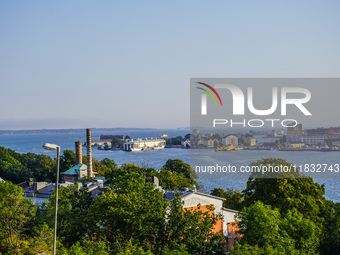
67, 160
265, 231
15, 214
43, 168
18, 168
285, 191
303, 231
191, 230
8, 158
87, 247
131, 213
133, 249
132, 209
42, 240
64, 211
114, 172
233, 198
330, 239
103, 166
177, 165
174, 180
11, 168
174, 140
176, 174
167, 179
260, 226
74, 221
117, 143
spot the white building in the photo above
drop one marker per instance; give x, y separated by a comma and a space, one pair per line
315, 140
230, 140
185, 143
144, 144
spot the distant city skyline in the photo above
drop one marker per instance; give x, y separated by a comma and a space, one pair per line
128, 64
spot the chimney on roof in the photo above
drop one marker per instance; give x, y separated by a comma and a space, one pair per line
89, 153
155, 182
79, 156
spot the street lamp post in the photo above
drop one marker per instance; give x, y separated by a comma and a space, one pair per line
48, 146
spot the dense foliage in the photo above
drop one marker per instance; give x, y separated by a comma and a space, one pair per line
130, 217
265, 231
174, 175
17, 167
117, 143
286, 191
174, 140
21, 231
233, 198
283, 215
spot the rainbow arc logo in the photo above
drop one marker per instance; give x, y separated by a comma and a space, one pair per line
209, 93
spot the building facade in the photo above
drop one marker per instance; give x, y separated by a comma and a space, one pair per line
230, 140
144, 144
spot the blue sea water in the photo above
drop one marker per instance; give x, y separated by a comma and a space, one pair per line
33, 141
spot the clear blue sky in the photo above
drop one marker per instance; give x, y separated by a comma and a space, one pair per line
76, 64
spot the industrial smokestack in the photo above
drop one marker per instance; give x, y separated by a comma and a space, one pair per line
89, 153
79, 153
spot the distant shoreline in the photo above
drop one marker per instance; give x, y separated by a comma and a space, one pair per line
70, 130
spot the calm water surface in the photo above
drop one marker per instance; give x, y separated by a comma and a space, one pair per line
24, 143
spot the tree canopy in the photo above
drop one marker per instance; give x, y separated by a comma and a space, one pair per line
131, 217
265, 231
233, 198
286, 191
20, 232
284, 213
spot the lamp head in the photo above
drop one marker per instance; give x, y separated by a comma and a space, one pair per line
49, 146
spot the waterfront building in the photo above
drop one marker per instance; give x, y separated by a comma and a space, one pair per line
144, 144
249, 140
297, 145
230, 140
185, 143
335, 142
206, 142
315, 140
316, 131
291, 127
333, 131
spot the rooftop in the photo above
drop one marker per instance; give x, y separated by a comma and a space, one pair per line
170, 194
74, 170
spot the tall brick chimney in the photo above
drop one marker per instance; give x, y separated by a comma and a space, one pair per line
89, 153
79, 153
